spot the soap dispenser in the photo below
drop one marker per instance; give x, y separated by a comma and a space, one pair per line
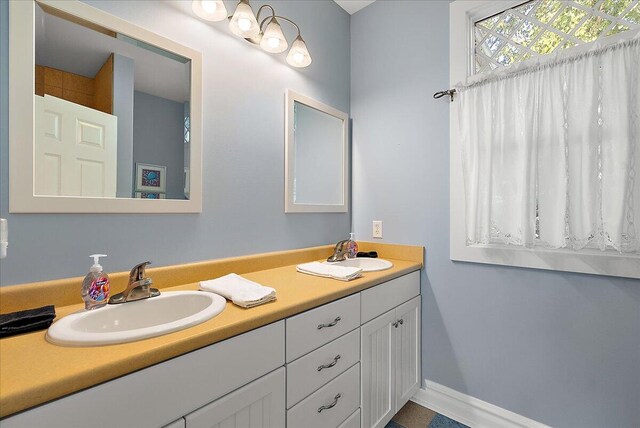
95, 287
352, 246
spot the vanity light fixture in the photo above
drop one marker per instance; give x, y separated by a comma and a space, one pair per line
210, 10
243, 23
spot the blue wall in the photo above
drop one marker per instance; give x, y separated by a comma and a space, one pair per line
158, 130
243, 156
560, 348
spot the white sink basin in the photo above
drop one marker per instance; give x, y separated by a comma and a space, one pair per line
366, 264
127, 322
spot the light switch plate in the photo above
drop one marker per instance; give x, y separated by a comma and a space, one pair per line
377, 229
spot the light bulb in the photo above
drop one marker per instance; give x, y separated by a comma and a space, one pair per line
209, 6
273, 40
211, 10
244, 24
298, 54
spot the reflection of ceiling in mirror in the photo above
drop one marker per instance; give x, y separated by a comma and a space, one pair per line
71, 47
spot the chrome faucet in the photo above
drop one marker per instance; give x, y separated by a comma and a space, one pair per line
338, 251
138, 287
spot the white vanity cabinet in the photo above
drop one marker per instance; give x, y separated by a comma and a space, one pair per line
390, 348
350, 363
162, 394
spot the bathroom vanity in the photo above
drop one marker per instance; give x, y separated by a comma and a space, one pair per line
351, 360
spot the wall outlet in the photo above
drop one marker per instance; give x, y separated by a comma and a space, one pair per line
377, 228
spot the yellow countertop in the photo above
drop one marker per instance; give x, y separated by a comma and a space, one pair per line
33, 371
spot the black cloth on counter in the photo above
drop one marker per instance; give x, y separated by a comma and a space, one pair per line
370, 254
28, 320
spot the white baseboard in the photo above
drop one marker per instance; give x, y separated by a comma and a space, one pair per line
469, 410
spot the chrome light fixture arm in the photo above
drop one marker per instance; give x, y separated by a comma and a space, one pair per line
273, 14
290, 22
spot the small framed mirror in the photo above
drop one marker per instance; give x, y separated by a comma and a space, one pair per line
316, 156
105, 115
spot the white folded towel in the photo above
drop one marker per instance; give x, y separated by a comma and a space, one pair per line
342, 273
239, 290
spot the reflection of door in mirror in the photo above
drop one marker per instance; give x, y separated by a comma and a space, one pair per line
105, 102
75, 149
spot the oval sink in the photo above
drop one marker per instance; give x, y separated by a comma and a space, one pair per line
127, 322
366, 264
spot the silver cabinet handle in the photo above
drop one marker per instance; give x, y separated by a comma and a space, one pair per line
331, 324
335, 401
328, 366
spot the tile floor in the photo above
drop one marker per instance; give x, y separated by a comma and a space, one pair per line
413, 415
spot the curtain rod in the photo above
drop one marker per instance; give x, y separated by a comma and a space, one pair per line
441, 94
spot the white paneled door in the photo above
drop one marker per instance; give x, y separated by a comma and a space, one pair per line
407, 351
260, 404
390, 358
75, 151
378, 365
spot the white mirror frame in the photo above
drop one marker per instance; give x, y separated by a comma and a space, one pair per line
290, 206
22, 123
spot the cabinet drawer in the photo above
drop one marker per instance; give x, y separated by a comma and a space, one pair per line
314, 328
352, 421
384, 297
330, 405
310, 372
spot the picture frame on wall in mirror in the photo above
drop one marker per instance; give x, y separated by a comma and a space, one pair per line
150, 195
151, 178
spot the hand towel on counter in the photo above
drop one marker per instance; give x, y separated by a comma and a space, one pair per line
27, 320
342, 273
239, 290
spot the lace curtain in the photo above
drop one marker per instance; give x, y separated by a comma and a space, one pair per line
551, 152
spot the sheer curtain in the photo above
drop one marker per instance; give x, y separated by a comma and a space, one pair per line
551, 152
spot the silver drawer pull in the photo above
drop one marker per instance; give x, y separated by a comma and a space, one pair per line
335, 401
331, 324
328, 366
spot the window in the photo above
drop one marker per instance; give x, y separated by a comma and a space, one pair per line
540, 27
560, 113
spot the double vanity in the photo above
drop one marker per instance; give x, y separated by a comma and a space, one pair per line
326, 353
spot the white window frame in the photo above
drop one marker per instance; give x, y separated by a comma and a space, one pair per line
463, 14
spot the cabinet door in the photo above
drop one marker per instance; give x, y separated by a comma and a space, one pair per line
258, 404
377, 360
407, 348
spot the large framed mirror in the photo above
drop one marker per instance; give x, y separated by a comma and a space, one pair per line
105, 116
316, 156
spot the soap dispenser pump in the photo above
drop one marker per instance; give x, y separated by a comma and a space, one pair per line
95, 287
